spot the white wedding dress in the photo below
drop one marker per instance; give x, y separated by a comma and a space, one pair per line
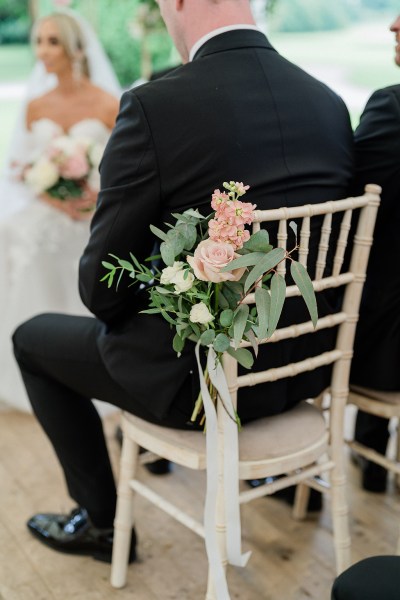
40, 249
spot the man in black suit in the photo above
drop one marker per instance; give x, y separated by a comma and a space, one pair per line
235, 110
377, 345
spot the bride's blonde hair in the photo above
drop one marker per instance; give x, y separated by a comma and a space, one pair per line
71, 38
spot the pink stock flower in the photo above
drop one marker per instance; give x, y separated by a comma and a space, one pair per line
237, 213
240, 188
75, 167
210, 257
218, 199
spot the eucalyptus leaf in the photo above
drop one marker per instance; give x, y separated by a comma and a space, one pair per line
111, 279
144, 277
253, 341
267, 262
226, 318
189, 234
178, 343
135, 261
243, 261
243, 356
278, 290
258, 242
239, 323
168, 318
150, 311
221, 343
222, 301
263, 304
232, 297
293, 226
158, 233
167, 253
207, 337
108, 265
126, 265
304, 283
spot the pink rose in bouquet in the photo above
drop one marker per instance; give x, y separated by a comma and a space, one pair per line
66, 169
210, 257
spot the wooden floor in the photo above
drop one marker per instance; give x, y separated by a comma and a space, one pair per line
290, 560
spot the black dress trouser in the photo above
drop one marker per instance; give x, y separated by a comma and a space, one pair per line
374, 578
62, 370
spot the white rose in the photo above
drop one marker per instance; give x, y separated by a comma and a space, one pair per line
96, 154
42, 176
66, 145
168, 274
94, 180
181, 283
200, 314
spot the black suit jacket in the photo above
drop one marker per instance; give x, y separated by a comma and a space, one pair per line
377, 345
241, 112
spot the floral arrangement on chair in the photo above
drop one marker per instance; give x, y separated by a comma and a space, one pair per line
212, 264
67, 167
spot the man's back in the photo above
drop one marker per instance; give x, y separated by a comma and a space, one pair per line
241, 111
238, 111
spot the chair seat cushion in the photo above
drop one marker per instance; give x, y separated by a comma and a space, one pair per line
268, 438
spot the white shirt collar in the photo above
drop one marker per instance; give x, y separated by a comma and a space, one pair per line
215, 32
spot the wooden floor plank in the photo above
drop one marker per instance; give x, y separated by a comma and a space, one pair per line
290, 560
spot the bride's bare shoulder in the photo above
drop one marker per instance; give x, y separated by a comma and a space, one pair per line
39, 108
106, 103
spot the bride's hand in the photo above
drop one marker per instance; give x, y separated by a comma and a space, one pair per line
78, 209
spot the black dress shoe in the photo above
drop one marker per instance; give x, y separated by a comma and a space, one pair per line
162, 466
287, 494
374, 477
75, 534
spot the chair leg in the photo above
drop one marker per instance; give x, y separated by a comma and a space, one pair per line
397, 452
124, 514
340, 513
301, 498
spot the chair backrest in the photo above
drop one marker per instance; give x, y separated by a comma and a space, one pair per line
330, 268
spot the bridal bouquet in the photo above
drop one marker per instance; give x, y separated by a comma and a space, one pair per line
212, 265
67, 167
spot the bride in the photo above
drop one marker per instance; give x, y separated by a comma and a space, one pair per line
73, 91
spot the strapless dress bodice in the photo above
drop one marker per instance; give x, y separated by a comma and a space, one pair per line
44, 130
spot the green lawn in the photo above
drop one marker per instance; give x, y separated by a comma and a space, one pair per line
15, 62
364, 52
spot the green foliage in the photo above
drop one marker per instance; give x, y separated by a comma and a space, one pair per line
215, 313
313, 15
14, 22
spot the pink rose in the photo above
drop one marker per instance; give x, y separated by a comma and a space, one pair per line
210, 257
75, 167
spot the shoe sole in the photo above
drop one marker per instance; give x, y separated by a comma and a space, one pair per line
94, 553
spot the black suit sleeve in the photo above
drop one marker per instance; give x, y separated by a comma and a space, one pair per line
128, 202
377, 140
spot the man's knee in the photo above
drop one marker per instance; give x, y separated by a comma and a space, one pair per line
24, 337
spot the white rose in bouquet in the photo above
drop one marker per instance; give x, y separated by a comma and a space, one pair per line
65, 145
168, 274
94, 179
200, 314
96, 154
42, 175
181, 282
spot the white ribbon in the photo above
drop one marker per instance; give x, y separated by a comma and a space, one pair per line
231, 476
